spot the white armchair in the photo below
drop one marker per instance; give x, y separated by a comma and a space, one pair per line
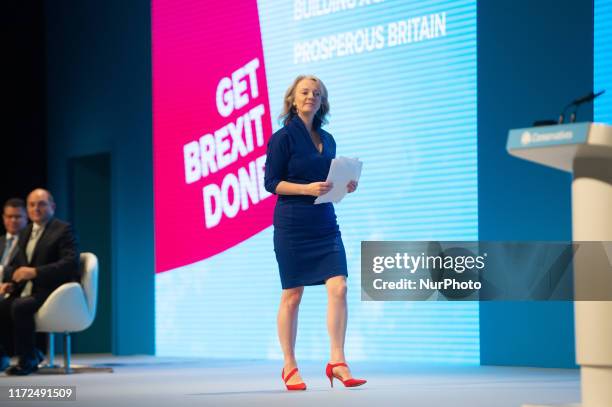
70, 308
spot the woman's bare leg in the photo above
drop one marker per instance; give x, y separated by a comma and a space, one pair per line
337, 315
287, 328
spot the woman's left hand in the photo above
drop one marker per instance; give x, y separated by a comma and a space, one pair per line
351, 186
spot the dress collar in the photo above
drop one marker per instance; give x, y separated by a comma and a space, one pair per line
299, 123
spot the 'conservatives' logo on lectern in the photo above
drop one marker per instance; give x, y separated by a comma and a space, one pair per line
528, 138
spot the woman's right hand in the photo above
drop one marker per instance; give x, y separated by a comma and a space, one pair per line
318, 188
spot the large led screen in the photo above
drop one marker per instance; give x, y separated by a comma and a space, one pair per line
401, 77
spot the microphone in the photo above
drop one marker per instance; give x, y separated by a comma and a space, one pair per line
562, 115
587, 98
576, 103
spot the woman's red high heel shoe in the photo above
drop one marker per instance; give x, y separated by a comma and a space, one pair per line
297, 386
329, 371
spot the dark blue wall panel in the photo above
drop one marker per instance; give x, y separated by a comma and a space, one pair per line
99, 101
533, 58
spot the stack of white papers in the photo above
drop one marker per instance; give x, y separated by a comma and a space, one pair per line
341, 172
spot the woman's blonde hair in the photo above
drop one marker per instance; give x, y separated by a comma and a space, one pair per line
289, 111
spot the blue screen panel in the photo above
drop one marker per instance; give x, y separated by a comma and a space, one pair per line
401, 77
602, 55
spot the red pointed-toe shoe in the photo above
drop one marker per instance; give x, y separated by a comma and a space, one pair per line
297, 386
329, 371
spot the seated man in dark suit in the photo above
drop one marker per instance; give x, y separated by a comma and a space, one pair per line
15, 219
47, 258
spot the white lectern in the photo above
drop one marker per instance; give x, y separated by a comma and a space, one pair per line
585, 149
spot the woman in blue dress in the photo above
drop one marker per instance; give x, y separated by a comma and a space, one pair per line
307, 240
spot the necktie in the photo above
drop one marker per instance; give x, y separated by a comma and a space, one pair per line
32, 243
27, 290
7, 250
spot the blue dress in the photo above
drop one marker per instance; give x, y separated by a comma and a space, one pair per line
307, 240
